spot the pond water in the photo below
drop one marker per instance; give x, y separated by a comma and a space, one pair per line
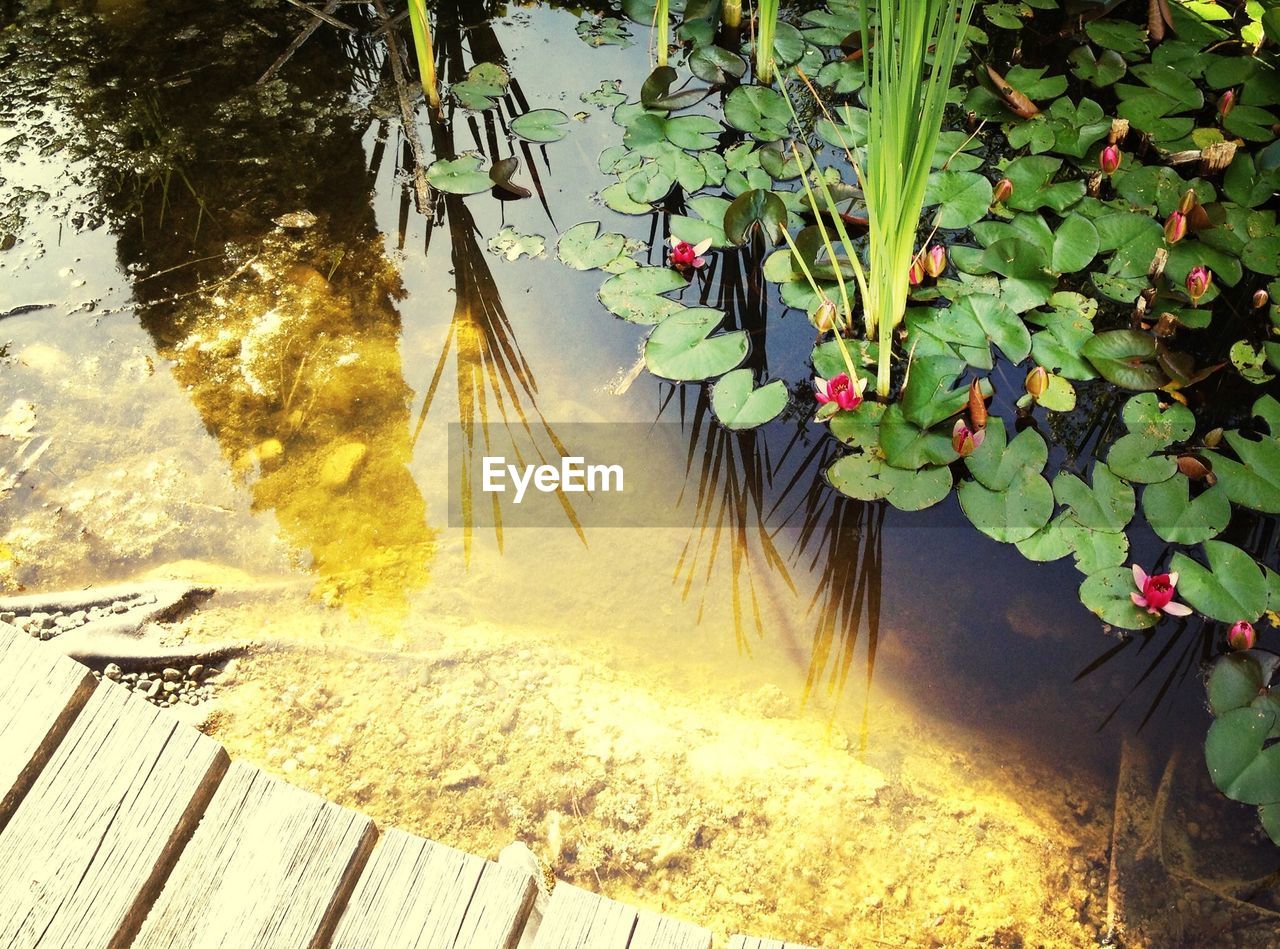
795, 714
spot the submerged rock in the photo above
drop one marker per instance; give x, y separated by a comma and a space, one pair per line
343, 464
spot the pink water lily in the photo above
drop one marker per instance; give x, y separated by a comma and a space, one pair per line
1226, 102
934, 261
1199, 280
838, 389
1242, 635
915, 275
966, 440
1109, 159
1175, 227
1156, 593
686, 256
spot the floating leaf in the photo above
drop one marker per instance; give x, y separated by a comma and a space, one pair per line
1180, 519
583, 247
716, 65
682, 348
511, 244
867, 478
759, 111
964, 197
635, 294
739, 405
1240, 764
1012, 514
755, 210
1106, 595
1106, 505
1097, 70
541, 125
484, 85
1239, 678
461, 175
1125, 358
1232, 588
997, 464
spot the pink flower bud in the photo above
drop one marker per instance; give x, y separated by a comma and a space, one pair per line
1226, 102
1241, 635
935, 261
964, 439
1175, 227
915, 276
1199, 280
1109, 159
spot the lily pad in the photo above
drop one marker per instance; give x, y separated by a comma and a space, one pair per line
1125, 358
1231, 588
1012, 514
739, 405
465, 174
1106, 505
963, 196
759, 111
1240, 763
867, 478
1178, 518
583, 247
1106, 595
541, 125
755, 210
682, 348
635, 295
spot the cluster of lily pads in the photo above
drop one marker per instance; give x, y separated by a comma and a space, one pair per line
1112, 230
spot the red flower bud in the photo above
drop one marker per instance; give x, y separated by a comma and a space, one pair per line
1175, 227
915, 276
1242, 635
1226, 102
1109, 159
964, 439
1199, 280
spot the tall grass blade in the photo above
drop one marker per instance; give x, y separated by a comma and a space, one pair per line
421, 26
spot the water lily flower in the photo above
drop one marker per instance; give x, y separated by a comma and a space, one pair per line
964, 439
1199, 280
686, 256
1002, 192
1109, 160
845, 394
915, 276
1156, 593
1226, 102
825, 317
1175, 227
1037, 382
1241, 635
935, 261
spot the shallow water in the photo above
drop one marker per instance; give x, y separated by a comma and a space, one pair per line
795, 715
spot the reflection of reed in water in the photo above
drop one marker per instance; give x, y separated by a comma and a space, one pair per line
496, 388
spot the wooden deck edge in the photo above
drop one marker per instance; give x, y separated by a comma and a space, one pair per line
186, 829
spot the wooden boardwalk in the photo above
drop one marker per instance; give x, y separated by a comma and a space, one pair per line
121, 826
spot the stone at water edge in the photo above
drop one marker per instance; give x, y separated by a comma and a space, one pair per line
342, 464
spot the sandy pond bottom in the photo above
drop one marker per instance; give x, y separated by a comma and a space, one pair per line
723, 804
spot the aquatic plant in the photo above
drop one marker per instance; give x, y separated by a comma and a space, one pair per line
731, 13
766, 29
661, 30
911, 48
420, 24
1155, 593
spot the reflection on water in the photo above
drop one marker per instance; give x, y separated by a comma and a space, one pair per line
800, 715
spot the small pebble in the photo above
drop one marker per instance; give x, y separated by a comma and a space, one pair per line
119, 607
195, 671
171, 675
112, 672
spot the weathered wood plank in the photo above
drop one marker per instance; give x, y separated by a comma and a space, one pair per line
755, 942
40, 693
418, 893
662, 932
578, 919
270, 865
91, 843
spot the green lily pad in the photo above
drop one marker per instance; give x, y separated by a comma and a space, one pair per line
1231, 588
716, 65
1125, 358
1140, 459
635, 295
1240, 764
998, 463
1238, 678
541, 125
907, 445
1106, 595
1254, 480
1180, 519
583, 247
1034, 187
759, 111
755, 210
1075, 244
739, 405
1012, 514
512, 245
1106, 505
964, 197
682, 348
484, 85
1096, 70
867, 478
465, 174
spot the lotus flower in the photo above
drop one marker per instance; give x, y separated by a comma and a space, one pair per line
1156, 593
1241, 635
915, 276
686, 256
964, 439
1175, 227
935, 261
1199, 280
1226, 102
1002, 192
838, 389
1109, 160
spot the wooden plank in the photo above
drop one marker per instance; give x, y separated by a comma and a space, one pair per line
93, 840
755, 942
40, 693
662, 932
418, 893
578, 919
270, 865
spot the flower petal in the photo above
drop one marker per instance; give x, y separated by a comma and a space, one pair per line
1173, 579
1178, 609
1139, 576
702, 247
675, 242
1138, 599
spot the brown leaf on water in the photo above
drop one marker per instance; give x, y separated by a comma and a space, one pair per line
1195, 468
1015, 100
977, 405
501, 173
1159, 19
